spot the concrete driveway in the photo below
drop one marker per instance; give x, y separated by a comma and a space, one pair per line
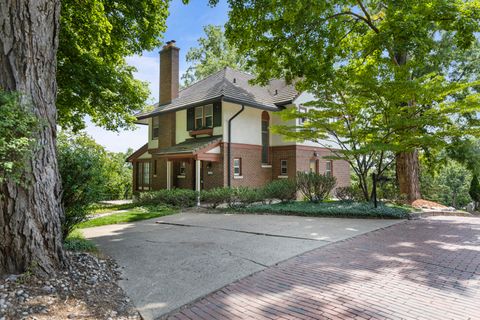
174, 260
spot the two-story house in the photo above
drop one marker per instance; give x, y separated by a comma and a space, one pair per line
215, 133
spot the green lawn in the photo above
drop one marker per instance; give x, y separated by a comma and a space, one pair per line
131, 215
99, 208
347, 209
77, 242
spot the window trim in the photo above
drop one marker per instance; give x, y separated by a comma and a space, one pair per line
327, 171
141, 184
266, 143
282, 166
203, 117
239, 174
182, 169
155, 127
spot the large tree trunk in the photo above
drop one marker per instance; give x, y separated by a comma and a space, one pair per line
30, 215
408, 171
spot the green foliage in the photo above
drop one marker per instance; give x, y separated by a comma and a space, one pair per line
79, 162
315, 187
388, 78
213, 54
77, 242
466, 151
344, 209
132, 215
242, 197
474, 191
93, 77
180, 198
216, 196
449, 185
284, 190
89, 174
349, 193
18, 126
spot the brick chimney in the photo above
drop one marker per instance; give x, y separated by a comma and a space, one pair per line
169, 72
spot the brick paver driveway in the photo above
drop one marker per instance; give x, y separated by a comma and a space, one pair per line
424, 269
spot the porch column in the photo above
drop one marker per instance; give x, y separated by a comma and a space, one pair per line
198, 177
169, 174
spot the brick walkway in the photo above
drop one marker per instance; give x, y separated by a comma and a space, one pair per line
424, 269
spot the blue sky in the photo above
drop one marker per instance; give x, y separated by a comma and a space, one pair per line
185, 25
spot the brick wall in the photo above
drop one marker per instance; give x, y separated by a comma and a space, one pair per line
189, 180
167, 126
216, 178
254, 175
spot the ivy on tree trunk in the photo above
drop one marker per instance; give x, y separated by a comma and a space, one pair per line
30, 210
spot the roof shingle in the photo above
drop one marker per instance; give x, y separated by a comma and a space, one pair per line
231, 85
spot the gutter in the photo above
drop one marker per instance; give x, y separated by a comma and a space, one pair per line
229, 178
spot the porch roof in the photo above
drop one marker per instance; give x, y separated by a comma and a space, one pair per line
191, 146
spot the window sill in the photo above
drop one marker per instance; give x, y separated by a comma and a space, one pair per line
181, 177
237, 177
266, 165
282, 177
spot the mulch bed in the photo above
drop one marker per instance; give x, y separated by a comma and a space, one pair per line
87, 289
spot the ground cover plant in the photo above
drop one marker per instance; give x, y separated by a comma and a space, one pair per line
342, 209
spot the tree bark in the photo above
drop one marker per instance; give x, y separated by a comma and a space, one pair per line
31, 213
408, 170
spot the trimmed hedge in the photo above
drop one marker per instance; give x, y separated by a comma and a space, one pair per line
334, 209
180, 198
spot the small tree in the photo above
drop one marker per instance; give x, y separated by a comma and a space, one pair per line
475, 192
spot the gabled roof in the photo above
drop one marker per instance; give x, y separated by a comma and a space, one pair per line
230, 85
137, 153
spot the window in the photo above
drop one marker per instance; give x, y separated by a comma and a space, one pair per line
183, 168
329, 168
283, 168
198, 117
313, 166
265, 137
204, 117
208, 110
143, 175
237, 167
155, 127
302, 119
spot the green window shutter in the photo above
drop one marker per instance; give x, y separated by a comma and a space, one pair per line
217, 114
190, 119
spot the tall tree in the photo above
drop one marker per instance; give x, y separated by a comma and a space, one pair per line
95, 37
213, 53
402, 42
93, 76
30, 231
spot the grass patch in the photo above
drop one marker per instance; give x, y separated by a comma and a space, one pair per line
99, 208
76, 242
135, 214
343, 209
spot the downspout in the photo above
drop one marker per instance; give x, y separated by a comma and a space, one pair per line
229, 161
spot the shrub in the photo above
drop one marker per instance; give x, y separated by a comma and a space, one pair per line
181, 198
242, 197
215, 197
315, 187
283, 189
349, 194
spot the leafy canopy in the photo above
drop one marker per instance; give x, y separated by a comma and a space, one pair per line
93, 77
18, 127
213, 53
388, 76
